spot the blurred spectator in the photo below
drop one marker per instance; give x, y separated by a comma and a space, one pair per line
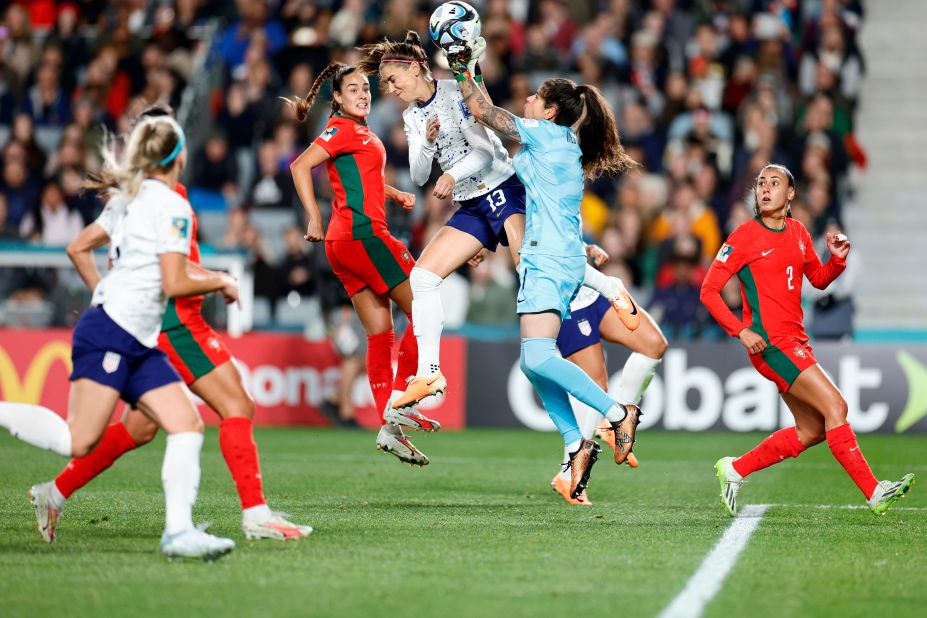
491, 302
296, 268
272, 188
21, 192
213, 186
23, 132
676, 305
7, 231
53, 223
46, 102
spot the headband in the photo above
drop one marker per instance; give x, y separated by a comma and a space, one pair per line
382, 62
181, 142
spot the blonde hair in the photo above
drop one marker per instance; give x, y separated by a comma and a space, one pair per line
153, 147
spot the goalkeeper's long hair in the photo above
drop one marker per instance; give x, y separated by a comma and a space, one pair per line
597, 131
335, 71
408, 51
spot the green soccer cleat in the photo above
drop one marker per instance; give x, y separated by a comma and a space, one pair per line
887, 493
730, 484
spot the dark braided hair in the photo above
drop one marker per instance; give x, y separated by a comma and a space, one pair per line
337, 72
409, 51
598, 133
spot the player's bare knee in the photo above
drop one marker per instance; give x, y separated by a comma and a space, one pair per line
143, 434
657, 346
241, 407
809, 436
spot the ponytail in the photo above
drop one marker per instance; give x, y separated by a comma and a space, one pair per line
584, 108
334, 70
408, 51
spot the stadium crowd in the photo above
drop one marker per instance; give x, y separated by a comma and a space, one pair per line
705, 92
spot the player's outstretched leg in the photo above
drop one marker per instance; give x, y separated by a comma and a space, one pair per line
613, 289
392, 440
406, 368
427, 323
731, 482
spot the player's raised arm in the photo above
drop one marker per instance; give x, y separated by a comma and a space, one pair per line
496, 118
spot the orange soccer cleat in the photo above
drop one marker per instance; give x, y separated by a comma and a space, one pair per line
620, 436
581, 462
562, 487
624, 305
420, 387
603, 431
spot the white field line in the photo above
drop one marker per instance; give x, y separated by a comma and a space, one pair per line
707, 579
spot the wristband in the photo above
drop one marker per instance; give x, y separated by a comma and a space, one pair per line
462, 77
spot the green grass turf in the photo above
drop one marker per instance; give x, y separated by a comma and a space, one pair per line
476, 533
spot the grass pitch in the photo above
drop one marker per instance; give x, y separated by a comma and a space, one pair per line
476, 533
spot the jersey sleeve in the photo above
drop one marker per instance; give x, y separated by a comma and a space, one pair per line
730, 259
820, 275
174, 227
335, 140
421, 152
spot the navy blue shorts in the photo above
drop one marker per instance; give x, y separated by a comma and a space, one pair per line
582, 330
104, 352
484, 217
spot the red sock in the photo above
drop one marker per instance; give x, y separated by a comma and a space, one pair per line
236, 439
380, 368
408, 358
115, 442
777, 447
845, 449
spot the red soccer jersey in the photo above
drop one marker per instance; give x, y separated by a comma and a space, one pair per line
188, 305
770, 265
356, 173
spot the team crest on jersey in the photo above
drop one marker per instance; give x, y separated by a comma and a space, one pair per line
725, 252
800, 352
329, 133
405, 256
213, 343
464, 109
584, 327
180, 228
111, 362
801, 245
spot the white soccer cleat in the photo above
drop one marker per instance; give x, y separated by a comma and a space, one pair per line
46, 513
278, 527
195, 543
887, 493
731, 483
411, 418
392, 440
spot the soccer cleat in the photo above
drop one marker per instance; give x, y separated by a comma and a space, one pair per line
392, 440
46, 513
603, 432
731, 483
411, 418
581, 462
277, 527
194, 543
620, 436
887, 493
624, 305
562, 487
420, 387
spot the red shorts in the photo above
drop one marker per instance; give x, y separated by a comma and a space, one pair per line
783, 360
379, 263
193, 348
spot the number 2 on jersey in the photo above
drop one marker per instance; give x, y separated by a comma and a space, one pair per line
789, 272
496, 199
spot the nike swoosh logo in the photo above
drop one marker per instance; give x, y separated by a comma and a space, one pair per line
765, 253
633, 306
365, 141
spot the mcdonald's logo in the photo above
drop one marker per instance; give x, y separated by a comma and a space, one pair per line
29, 388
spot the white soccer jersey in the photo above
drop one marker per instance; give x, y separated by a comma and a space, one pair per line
472, 154
157, 221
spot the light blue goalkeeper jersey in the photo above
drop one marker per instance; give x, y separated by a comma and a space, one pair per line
549, 164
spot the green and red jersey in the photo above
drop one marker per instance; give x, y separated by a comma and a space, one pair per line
180, 310
355, 170
771, 265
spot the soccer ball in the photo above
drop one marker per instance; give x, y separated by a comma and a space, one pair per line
453, 25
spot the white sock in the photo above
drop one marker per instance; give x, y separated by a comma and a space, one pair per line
588, 419
635, 377
603, 284
616, 414
57, 498
427, 319
180, 475
37, 426
393, 396
256, 514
